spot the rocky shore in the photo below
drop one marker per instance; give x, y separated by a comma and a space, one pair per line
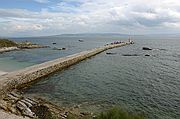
29, 45
18, 104
8, 49
8, 45
5, 115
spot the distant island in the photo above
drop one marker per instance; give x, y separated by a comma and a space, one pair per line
7, 45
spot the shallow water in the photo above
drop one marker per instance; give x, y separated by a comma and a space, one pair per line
149, 85
8, 64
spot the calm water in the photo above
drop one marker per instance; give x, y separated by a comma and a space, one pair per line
149, 85
19, 59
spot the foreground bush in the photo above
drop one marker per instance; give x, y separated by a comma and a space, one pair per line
117, 113
114, 113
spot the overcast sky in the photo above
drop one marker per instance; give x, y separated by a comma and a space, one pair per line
47, 17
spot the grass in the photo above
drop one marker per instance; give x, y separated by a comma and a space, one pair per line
7, 43
117, 113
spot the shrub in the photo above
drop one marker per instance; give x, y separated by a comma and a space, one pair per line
7, 43
117, 113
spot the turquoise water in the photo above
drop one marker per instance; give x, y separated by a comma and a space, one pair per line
8, 64
149, 85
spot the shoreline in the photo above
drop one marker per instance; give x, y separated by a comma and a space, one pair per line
7, 45
3, 73
8, 49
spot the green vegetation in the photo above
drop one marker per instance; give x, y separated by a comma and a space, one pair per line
117, 113
114, 113
7, 43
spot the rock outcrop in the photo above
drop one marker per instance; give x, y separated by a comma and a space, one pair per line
8, 49
29, 45
8, 45
146, 48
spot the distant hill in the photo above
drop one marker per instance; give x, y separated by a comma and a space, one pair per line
100, 34
94, 34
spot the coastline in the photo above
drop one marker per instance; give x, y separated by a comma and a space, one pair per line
7, 49
7, 45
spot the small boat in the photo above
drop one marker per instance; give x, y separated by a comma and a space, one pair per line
81, 40
132, 42
54, 43
59, 48
147, 55
146, 48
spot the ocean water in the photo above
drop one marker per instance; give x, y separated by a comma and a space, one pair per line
15, 60
148, 85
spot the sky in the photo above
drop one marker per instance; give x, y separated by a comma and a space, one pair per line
51, 17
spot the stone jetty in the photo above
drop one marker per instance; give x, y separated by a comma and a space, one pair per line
12, 101
21, 78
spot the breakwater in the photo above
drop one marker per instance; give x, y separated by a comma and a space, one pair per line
18, 79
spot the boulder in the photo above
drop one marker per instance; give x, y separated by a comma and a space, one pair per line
111, 53
80, 40
146, 48
147, 55
24, 109
130, 55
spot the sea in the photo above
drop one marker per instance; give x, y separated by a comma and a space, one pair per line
142, 81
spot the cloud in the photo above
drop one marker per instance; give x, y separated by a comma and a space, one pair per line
42, 1
76, 16
65, 7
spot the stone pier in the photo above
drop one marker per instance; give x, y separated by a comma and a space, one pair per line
21, 78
